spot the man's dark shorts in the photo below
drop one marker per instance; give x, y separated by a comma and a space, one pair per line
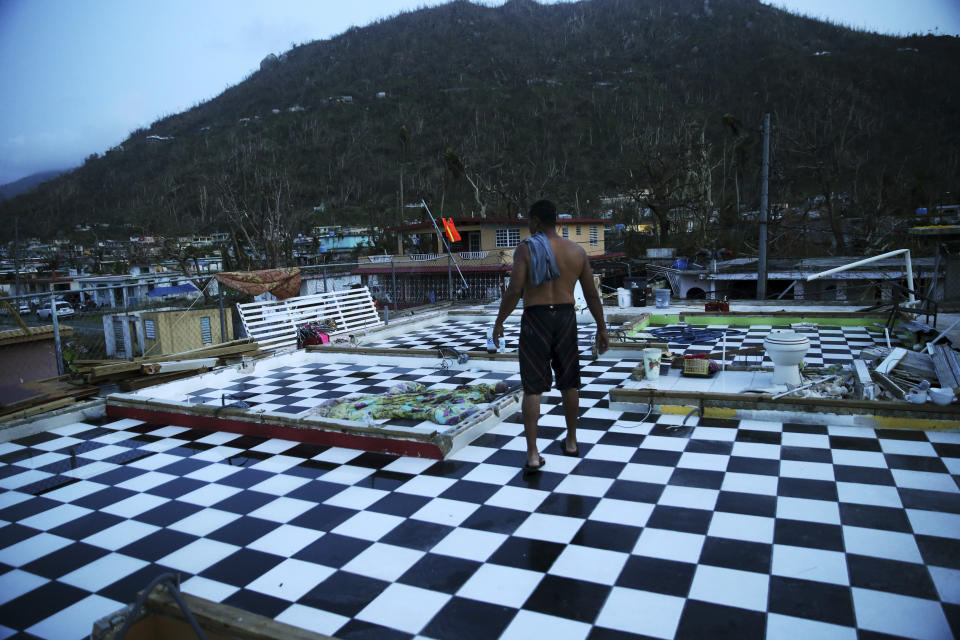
548, 338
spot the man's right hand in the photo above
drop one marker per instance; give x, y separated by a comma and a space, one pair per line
603, 341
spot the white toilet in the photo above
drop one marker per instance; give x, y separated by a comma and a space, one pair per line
786, 348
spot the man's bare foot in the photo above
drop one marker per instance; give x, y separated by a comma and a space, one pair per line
568, 450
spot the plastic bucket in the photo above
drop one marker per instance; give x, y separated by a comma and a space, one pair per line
663, 298
651, 363
623, 298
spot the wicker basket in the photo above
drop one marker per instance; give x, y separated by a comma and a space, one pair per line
696, 366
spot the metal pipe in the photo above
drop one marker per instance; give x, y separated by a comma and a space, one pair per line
56, 331
764, 181
889, 254
223, 319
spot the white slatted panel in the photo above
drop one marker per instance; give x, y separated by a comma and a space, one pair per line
273, 324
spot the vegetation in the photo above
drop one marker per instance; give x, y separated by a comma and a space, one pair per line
482, 110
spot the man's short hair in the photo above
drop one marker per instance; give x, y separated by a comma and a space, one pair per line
544, 210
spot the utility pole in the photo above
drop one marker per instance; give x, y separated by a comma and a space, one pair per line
764, 179
16, 257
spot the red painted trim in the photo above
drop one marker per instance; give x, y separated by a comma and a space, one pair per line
465, 270
265, 430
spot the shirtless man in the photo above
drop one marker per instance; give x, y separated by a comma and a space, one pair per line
548, 328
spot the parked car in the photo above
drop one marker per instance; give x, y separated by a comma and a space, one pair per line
63, 310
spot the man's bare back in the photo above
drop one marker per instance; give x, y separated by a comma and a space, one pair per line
571, 261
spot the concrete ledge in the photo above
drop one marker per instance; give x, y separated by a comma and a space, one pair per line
14, 429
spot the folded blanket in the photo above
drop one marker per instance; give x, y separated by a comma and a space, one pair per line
543, 266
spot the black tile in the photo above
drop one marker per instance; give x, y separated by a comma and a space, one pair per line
863, 475
946, 449
697, 478
797, 427
316, 491
811, 489
526, 553
930, 500
657, 457
323, 517
403, 504
36, 438
449, 468
657, 575
125, 589
242, 531
495, 519
941, 552
104, 498
916, 463
892, 576
259, 603
567, 598
672, 431
360, 630
305, 450
62, 561
606, 535
244, 502
634, 491
871, 517
621, 439
680, 519
719, 422
854, 444
86, 525
40, 604
597, 468
118, 475
440, 573
416, 534
715, 447
332, 550
568, 504
13, 533
245, 478
384, 480
177, 487
952, 612
157, 545
755, 466
345, 594
806, 454
758, 437
701, 620
183, 467
902, 434
600, 633
750, 504
241, 567
168, 513
467, 491
468, 620
736, 554
27, 508
808, 534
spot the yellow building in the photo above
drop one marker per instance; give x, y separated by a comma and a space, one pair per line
162, 331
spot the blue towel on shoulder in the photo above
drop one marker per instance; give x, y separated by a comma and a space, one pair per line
543, 266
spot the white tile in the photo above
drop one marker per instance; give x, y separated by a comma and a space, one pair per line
807, 510
156, 461
806, 470
24, 479
719, 434
75, 621
291, 579
120, 534
878, 543
519, 498
614, 453
590, 486
26, 551
103, 572
927, 480
731, 587
14, 584
204, 522
285, 540
282, 509
162, 445
218, 437
392, 607
589, 564
530, 624
900, 615
146, 481
217, 454
853, 458
756, 450
74, 491
809, 564
663, 443
52, 518
689, 497
811, 440
209, 494
543, 526
59, 444
135, 505
209, 589
429, 486
907, 447
368, 525
641, 612
212, 472
357, 498
750, 483
444, 511
198, 555
91, 470
705, 461
626, 512
780, 627
280, 484
315, 620
491, 474
274, 445
10, 498
871, 494
738, 526
383, 561
497, 584
470, 544
407, 464
933, 523
946, 580
669, 545
471, 453
652, 473
71, 429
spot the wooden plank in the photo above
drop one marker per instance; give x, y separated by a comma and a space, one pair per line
891, 361
179, 365
133, 384
16, 414
15, 395
888, 384
943, 366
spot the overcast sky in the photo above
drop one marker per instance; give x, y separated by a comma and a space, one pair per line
79, 75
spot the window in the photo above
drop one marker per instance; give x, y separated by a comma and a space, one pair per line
507, 238
149, 329
578, 230
565, 231
205, 335
594, 237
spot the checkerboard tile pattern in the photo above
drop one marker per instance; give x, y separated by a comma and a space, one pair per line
829, 345
713, 528
296, 390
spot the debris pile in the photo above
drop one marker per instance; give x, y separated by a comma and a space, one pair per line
913, 376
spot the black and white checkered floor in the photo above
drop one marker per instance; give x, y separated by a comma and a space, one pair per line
713, 529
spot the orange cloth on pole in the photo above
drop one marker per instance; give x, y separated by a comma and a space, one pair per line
451, 230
